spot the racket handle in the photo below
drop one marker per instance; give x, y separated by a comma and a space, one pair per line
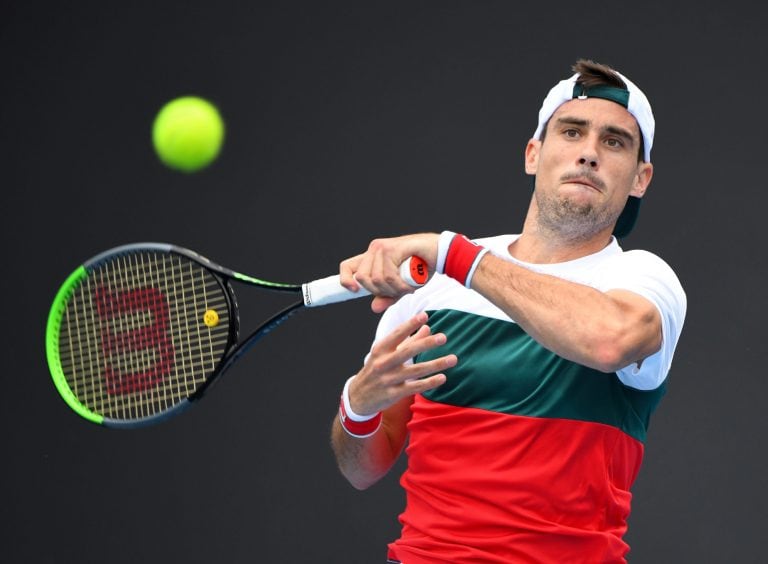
330, 291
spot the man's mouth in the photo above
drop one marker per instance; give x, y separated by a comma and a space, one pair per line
587, 180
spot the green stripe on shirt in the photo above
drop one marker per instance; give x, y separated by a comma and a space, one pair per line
501, 368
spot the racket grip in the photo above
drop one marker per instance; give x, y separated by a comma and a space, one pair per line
330, 291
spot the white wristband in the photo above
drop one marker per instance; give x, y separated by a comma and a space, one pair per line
443, 244
348, 408
471, 273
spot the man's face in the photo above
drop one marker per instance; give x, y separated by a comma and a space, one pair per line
586, 167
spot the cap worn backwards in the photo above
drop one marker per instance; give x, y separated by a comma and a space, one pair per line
636, 103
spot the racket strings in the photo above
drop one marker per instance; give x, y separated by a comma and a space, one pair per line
134, 342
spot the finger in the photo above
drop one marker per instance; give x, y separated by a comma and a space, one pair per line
382, 279
363, 269
422, 332
385, 279
380, 304
400, 333
396, 369
416, 346
424, 384
347, 270
419, 370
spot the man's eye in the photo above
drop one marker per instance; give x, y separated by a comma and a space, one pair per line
571, 133
613, 142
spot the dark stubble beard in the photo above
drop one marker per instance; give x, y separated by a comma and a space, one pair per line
563, 218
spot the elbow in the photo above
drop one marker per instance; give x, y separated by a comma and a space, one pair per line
356, 469
361, 481
624, 344
621, 340
360, 485
611, 352
608, 359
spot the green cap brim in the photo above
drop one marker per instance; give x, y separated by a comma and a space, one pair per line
628, 217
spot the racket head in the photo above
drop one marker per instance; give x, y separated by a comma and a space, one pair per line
138, 332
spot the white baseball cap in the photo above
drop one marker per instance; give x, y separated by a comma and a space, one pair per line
631, 97
636, 103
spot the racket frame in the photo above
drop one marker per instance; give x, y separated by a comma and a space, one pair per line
232, 352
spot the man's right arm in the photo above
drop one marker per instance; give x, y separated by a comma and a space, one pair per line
387, 383
364, 461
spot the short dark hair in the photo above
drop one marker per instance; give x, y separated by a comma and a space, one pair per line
593, 74
597, 74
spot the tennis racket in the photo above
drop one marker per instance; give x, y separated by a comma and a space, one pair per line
139, 332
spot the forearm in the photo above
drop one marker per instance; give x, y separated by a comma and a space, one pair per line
364, 461
605, 331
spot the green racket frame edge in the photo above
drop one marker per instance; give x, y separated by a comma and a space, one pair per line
52, 345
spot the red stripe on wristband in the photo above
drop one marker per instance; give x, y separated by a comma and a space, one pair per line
360, 429
461, 256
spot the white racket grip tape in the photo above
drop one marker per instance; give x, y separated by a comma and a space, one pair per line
330, 291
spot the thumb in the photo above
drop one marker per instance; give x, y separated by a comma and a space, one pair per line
379, 304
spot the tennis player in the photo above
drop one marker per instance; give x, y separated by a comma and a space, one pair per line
524, 374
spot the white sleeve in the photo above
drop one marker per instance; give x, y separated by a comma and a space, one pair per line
649, 276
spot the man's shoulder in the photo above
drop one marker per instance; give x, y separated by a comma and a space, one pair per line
639, 258
636, 269
496, 240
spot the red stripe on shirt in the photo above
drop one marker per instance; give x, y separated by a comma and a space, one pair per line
491, 487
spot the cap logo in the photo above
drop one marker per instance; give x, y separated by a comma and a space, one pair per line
612, 93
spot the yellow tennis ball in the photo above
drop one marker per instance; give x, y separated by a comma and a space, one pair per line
188, 133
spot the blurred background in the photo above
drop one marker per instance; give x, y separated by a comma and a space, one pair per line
348, 121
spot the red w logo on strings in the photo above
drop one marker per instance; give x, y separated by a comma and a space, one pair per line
135, 338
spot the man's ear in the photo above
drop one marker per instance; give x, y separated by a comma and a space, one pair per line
642, 179
532, 156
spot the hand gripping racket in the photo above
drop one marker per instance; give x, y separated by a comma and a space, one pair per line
139, 332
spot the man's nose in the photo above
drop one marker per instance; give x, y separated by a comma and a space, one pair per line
589, 160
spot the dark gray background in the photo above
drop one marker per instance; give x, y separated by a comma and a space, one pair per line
347, 121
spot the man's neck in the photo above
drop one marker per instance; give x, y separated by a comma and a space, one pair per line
539, 247
537, 251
